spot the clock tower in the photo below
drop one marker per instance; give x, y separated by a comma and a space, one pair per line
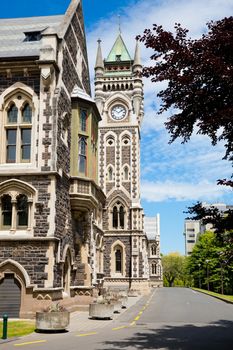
119, 98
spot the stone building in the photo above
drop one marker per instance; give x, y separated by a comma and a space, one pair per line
152, 229
51, 236
119, 97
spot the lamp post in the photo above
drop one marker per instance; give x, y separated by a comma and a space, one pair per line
207, 272
199, 277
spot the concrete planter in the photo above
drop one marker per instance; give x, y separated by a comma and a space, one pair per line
124, 302
101, 311
117, 305
48, 321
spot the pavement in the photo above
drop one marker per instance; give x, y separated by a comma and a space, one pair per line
81, 323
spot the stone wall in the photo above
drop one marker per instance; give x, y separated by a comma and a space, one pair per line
108, 242
31, 78
31, 255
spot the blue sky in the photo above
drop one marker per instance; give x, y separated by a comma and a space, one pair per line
172, 176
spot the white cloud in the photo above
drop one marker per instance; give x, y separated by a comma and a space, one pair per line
170, 190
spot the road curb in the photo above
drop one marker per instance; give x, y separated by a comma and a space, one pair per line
214, 296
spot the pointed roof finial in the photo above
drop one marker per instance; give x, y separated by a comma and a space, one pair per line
137, 58
99, 59
119, 23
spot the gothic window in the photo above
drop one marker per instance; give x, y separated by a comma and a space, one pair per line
110, 174
12, 115
83, 120
115, 217
15, 211
153, 268
17, 129
82, 160
118, 259
22, 211
118, 216
27, 114
126, 173
6, 208
122, 217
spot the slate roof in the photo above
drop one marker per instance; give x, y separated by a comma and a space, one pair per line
12, 37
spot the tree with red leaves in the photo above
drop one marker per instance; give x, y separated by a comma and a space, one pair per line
200, 81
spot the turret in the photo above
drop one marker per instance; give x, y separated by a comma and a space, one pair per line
99, 64
137, 66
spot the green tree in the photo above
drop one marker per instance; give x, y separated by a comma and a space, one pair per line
173, 269
208, 266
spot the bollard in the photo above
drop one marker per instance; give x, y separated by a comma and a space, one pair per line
4, 328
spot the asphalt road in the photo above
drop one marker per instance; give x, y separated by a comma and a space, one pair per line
170, 318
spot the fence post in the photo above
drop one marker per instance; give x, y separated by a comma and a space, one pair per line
4, 328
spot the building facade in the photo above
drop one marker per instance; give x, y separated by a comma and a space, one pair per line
119, 98
152, 229
194, 228
51, 236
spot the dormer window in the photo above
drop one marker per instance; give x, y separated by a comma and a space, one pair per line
32, 36
118, 58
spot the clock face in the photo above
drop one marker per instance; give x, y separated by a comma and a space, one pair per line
118, 112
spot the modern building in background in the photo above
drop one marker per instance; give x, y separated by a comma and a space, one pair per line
152, 229
194, 228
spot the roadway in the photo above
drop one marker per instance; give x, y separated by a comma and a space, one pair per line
170, 318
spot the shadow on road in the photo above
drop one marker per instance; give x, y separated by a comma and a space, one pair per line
187, 337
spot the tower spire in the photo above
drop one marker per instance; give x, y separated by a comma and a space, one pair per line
99, 64
137, 57
119, 23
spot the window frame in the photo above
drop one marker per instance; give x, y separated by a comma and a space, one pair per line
21, 101
82, 156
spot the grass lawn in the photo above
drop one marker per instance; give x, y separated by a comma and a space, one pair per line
222, 296
18, 328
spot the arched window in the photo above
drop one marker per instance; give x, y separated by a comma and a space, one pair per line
83, 120
6, 208
122, 217
110, 174
22, 210
153, 268
27, 114
12, 114
18, 128
118, 216
115, 217
16, 201
118, 260
82, 160
126, 173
